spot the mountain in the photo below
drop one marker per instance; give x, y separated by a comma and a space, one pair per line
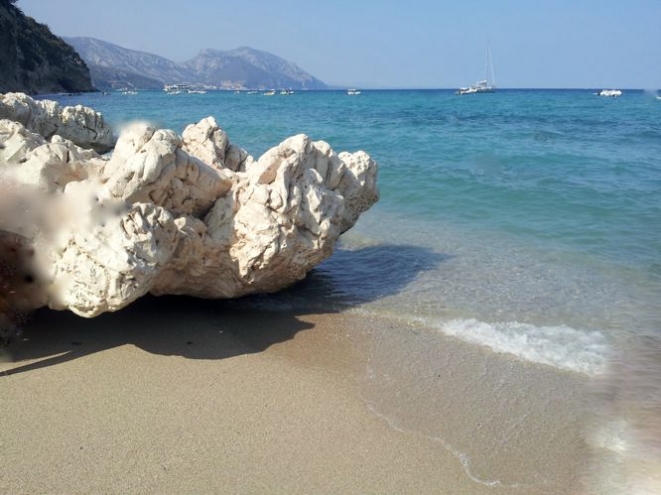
249, 68
33, 60
113, 66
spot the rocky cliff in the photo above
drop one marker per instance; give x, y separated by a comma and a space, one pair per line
35, 61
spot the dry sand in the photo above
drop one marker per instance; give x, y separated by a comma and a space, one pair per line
173, 395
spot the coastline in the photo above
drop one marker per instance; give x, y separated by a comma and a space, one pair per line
179, 395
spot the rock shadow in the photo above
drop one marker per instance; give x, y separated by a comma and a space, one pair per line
217, 329
351, 277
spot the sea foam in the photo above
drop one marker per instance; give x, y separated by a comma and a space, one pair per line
559, 346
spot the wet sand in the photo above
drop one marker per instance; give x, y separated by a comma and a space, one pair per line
173, 395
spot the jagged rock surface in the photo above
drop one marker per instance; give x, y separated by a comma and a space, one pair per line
82, 125
166, 214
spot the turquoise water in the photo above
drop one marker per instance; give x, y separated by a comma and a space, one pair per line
559, 168
526, 222
541, 207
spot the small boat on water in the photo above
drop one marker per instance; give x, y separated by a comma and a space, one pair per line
175, 89
270, 92
127, 91
487, 85
478, 87
353, 91
613, 93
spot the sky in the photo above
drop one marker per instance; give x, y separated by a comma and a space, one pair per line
393, 44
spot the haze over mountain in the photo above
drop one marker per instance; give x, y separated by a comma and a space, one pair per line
112, 66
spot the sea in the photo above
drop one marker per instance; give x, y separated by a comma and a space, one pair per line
521, 227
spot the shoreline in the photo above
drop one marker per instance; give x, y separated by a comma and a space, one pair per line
178, 395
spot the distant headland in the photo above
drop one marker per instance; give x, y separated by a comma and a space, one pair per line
112, 67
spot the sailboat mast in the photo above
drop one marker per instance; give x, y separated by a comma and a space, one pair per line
486, 67
489, 68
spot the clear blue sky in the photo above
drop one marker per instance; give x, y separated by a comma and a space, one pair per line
386, 43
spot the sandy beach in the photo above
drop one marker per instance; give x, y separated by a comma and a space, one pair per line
173, 395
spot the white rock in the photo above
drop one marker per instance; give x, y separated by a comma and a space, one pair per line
108, 263
150, 166
208, 142
81, 125
193, 215
17, 142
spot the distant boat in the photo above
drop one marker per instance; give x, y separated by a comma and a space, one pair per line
287, 92
487, 85
613, 93
175, 89
353, 91
127, 91
270, 92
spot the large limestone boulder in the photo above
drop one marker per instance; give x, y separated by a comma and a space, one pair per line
166, 214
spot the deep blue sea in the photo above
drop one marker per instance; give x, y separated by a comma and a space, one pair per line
524, 221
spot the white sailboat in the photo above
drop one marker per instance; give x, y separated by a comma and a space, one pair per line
487, 85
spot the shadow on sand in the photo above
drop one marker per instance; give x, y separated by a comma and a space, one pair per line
217, 329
